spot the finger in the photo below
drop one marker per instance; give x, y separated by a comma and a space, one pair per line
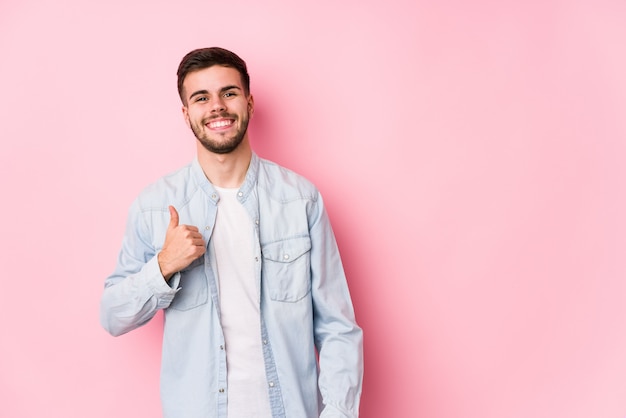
187, 233
173, 218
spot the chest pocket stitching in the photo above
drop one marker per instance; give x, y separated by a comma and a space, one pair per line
194, 288
195, 263
286, 268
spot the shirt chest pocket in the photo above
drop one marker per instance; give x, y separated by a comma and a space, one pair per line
286, 269
193, 287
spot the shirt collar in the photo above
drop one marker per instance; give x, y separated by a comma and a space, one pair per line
247, 186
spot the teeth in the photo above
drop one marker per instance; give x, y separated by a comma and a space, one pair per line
220, 123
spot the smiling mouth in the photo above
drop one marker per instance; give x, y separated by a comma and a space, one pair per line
222, 123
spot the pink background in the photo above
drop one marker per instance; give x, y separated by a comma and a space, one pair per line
471, 154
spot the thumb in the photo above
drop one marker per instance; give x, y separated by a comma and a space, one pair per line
173, 218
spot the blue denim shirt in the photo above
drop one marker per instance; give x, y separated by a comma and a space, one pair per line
305, 305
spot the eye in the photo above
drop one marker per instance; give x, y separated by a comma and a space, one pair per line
229, 94
201, 99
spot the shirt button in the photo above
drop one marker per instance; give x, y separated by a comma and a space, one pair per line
271, 384
286, 257
256, 258
256, 221
221, 390
214, 196
265, 342
221, 347
240, 194
207, 227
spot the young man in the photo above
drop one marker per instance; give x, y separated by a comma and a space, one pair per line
240, 254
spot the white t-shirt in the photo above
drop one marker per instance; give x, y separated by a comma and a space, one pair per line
233, 243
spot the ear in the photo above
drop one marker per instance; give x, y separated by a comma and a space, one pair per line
186, 116
250, 105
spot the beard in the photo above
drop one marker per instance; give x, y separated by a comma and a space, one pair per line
226, 145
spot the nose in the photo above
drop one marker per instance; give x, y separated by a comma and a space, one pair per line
218, 105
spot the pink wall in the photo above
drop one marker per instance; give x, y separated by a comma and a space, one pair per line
471, 154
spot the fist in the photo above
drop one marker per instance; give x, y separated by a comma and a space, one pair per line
183, 244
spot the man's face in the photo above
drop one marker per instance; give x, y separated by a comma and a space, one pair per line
216, 108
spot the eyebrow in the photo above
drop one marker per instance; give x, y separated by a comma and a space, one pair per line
222, 90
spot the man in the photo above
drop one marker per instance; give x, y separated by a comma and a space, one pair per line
240, 254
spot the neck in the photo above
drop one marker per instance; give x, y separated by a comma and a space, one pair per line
226, 170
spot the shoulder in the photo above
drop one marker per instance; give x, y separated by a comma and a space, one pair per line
284, 183
175, 188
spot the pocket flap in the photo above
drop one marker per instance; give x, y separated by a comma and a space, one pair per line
287, 250
195, 263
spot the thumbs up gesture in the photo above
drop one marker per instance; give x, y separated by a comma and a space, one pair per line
183, 244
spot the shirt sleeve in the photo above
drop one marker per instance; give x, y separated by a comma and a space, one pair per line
136, 290
338, 338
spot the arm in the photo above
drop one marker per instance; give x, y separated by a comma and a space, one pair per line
136, 290
144, 281
338, 338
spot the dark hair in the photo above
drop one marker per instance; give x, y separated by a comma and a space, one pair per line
202, 58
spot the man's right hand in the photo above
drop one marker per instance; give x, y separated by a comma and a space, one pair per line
183, 244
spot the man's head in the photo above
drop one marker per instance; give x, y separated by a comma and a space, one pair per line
199, 59
214, 87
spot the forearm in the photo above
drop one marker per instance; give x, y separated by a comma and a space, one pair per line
341, 370
131, 301
338, 337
